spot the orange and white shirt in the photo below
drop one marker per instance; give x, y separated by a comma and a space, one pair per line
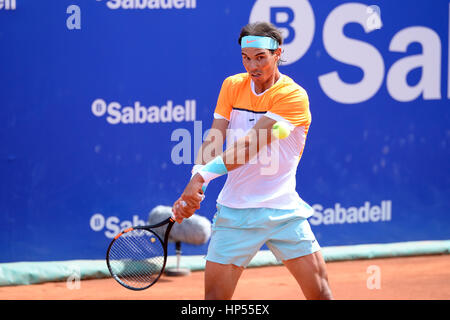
269, 180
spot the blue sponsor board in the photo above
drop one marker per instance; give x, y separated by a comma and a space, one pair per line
104, 104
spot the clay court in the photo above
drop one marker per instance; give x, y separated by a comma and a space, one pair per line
405, 278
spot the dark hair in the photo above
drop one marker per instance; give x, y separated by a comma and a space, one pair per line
262, 29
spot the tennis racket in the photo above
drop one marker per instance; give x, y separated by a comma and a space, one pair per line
137, 256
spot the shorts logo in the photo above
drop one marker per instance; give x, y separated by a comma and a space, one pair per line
295, 18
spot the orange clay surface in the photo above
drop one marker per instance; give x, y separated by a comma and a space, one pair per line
421, 277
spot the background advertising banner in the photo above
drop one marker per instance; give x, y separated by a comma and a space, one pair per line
105, 103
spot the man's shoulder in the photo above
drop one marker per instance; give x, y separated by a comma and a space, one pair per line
289, 87
237, 79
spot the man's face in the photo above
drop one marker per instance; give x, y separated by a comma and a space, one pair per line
260, 63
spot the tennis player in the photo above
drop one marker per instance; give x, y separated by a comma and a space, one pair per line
257, 205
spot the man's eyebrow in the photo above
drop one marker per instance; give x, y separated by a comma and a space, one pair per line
258, 54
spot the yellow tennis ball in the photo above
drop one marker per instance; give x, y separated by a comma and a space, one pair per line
281, 130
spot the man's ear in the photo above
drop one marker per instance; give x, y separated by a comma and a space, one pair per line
278, 53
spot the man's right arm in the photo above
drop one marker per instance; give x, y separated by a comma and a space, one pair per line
211, 148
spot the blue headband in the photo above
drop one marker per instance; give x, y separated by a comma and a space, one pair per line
259, 42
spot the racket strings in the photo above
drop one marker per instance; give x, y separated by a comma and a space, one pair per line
137, 258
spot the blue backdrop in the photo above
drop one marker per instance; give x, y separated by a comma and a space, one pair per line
103, 104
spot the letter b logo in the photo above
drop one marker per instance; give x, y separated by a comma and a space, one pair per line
283, 23
295, 19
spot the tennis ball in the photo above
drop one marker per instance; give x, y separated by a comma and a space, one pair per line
281, 130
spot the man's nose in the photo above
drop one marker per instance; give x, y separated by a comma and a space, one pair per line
252, 65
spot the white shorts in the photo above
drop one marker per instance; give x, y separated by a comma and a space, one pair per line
238, 234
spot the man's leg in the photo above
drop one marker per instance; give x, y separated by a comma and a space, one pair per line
311, 274
221, 280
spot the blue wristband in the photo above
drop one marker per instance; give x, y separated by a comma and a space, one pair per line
213, 169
